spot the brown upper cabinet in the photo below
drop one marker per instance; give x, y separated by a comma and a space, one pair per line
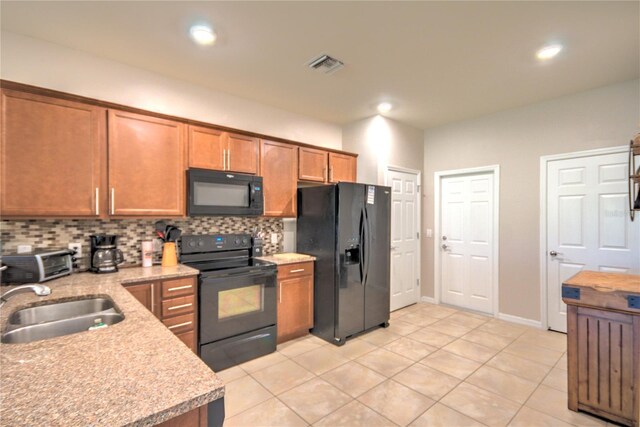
146, 165
323, 166
53, 157
312, 164
279, 166
342, 168
214, 149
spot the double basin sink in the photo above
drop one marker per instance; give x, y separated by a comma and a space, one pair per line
57, 319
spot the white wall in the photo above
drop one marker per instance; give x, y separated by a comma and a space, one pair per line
515, 139
39, 63
379, 142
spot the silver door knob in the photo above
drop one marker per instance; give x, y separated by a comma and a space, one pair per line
444, 246
553, 253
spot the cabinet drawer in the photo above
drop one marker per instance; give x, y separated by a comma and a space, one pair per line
180, 324
189, 339
179, 287
176, 306
295, 270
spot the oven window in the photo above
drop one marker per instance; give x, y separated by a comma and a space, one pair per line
218, 194
239, 301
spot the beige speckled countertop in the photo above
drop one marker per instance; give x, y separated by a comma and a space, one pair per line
135, 372
287, 258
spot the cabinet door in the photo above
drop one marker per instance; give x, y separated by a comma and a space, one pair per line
146, 165
342, 168
279, 165
147, 294
53, 158
295, 307
312, 164
242, 154
206, 148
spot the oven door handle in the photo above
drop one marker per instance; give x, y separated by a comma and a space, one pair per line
244, 274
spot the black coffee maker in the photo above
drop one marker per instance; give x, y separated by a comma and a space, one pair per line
105, 256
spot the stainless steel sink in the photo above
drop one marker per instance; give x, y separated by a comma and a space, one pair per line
55, 320
61, 310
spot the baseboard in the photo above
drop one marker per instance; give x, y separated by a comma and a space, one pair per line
520, 320
430, 300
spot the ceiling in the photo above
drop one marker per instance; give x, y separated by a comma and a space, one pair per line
437, 62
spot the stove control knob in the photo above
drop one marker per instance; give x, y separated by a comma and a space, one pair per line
200, 243
237, 241
192, 243
245, 241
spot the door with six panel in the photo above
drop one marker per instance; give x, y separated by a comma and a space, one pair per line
588, 225
405, 226
466, 241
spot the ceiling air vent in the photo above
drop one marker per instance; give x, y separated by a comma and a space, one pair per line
325, 63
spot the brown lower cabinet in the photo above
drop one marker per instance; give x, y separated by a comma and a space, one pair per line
603, 345
295, 300
172, 301
194, 418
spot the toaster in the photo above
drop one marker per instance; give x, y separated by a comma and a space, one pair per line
36, 266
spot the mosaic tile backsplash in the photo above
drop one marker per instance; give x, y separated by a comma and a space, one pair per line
57, 234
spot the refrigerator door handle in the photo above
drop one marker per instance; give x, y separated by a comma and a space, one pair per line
360, 246
366, 245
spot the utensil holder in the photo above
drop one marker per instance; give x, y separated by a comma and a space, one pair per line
169, 256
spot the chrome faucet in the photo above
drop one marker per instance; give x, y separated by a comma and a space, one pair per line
39, 290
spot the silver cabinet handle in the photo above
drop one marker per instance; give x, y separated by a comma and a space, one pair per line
97, 201
229, 159
224, 160
153, 302
280, 298
331, 173
179, 288
180, 324
113, 201
175, 307
298, 270
324, 174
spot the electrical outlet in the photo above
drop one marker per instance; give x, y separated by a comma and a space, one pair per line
76, 247
274, 238
157, 245
24, 249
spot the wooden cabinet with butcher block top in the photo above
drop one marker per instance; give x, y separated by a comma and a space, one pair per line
603, 344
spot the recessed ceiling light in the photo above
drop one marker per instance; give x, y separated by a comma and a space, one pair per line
384, 107
548, 52
203, 34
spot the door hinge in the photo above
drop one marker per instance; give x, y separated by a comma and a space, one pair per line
417, 234
418, 188
417, 283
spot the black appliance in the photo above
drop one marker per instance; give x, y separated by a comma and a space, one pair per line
223, 193
105, 255
36, 266
346, 226
236, 298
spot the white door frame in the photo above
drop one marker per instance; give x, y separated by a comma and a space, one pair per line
419, 217
544, 161
437, 258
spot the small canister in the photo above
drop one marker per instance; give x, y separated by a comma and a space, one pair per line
147, 253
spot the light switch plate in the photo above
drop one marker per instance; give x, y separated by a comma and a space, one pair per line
76, 247
274, 238
24, 248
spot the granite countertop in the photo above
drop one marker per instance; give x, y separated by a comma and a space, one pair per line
287, 258
608, 281
135, 372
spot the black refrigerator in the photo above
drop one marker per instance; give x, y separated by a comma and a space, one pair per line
346, 226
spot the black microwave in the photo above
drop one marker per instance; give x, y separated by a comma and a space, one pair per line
223, 193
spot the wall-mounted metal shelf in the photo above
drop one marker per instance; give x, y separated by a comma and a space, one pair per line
634, 176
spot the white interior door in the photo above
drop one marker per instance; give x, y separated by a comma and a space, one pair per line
466, 241
405, 287
588, 225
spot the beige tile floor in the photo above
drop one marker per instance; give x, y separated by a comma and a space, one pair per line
433, 366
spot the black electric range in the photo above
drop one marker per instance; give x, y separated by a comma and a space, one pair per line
237, 307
